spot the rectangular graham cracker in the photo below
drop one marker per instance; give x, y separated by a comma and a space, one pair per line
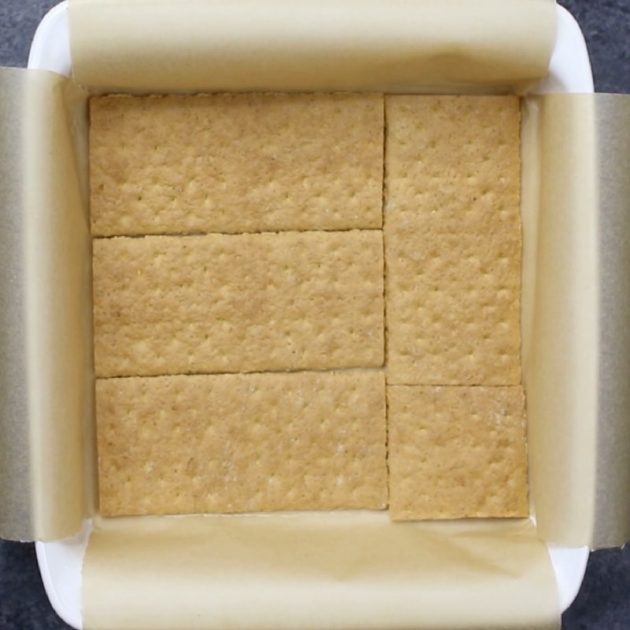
456, 452
232, 303
242, 442
235, 163
453, 240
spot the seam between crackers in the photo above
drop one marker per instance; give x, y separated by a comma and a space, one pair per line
385, 345
245, 372
240, 233
453, 385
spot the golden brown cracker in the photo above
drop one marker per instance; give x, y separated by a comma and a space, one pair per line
453, 240
230, 303
456, 452
241, 443
235, 163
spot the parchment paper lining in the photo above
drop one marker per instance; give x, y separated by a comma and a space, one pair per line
612, 507
576, 341
377, 45
328, 570
46, 375
15, 465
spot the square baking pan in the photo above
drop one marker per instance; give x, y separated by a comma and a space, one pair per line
61, 562
341, 569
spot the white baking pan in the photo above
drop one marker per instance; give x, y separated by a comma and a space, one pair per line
61, 562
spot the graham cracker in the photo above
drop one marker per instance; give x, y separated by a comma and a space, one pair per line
241, 443
453, 240
456, 452
231, 303
235, 163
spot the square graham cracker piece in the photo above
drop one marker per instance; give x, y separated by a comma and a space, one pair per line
453, 240
242, 442
235, 163
238, 303
457, 452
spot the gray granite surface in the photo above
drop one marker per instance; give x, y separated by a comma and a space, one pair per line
604, 600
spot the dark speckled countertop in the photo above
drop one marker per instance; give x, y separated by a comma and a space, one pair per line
604, 600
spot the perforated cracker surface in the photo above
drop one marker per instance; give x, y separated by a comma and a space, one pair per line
456, 452
235, 163
239, 443
229, 303
453, 240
